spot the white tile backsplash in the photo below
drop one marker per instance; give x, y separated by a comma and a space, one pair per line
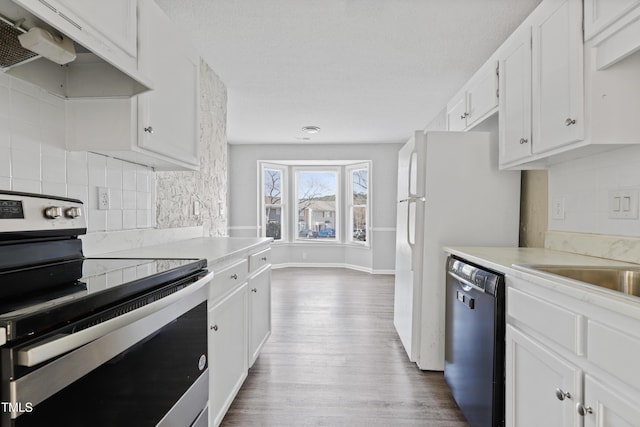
585, 185
33, 159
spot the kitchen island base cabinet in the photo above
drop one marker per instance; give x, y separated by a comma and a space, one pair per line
228, 350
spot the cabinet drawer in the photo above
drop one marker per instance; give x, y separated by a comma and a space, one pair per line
561, 326
256, 261
226, 279
614, 351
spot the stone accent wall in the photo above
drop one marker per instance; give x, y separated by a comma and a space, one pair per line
178, 192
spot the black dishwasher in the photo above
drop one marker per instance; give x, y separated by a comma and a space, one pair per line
474, 341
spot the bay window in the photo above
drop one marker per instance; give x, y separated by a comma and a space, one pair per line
328, 201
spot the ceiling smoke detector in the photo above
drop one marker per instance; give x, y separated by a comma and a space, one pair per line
311, 129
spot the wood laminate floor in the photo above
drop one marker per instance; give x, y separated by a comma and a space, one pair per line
334, 359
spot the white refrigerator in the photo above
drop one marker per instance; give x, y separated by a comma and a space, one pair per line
450, 193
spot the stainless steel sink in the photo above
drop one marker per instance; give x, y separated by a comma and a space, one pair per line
621, 279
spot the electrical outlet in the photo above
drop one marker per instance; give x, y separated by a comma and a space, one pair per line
557, 208
104, 199
623, 204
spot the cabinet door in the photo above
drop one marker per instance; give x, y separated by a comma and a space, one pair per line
558, 84
260, 312
482, 93
115, 20
457, 114
111, 24
228, 341
599, 14
515, 98
608, 408
542, 389
168, 114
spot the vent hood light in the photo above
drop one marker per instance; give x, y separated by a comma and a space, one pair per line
58, 49
311, 129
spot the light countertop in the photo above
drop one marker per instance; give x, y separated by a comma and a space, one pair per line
513, 262
215, 249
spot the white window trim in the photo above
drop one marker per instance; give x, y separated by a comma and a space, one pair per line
289, 231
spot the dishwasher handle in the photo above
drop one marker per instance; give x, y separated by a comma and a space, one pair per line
465, 282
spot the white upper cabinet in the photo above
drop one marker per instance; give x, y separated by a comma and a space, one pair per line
614, 28
515, 99
476, 101
600, 14
113, 22
159, 128
168, 115
457, 113
107, 29
558, 102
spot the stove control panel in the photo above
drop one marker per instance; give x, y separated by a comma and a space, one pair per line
31, 212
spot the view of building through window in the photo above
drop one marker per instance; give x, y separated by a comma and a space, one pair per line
316, 204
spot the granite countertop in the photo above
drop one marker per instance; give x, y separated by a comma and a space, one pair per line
514, 262
214, 249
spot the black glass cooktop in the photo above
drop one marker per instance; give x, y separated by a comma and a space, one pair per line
37, 298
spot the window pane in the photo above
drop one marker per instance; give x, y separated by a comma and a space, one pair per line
316, 201
273, 222
360, 186
272, 187
360, 223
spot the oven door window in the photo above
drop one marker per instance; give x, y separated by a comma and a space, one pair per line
139, 386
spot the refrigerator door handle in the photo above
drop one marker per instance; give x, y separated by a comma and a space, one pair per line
413, 199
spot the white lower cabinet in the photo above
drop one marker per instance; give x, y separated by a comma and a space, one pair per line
541, 388
228, 328
260, 312
571, 358
239, 324
606, 407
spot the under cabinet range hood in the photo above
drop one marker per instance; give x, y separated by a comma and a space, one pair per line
34, 47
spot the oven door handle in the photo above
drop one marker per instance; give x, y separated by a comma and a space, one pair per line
38, 385
58, 345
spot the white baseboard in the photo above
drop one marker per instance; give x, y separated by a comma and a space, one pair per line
330, 265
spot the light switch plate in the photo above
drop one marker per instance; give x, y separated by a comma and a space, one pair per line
623, 204
557, 208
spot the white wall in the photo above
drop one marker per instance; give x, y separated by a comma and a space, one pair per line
584, 185
33, 159
243, 193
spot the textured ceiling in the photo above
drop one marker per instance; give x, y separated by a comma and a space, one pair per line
362, 70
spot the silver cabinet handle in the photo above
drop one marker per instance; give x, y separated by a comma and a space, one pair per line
264, 258
149, 129
464, 116
214, 328
523, 140
254, 290
234, 276
569, 122
561, 394
583, 410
